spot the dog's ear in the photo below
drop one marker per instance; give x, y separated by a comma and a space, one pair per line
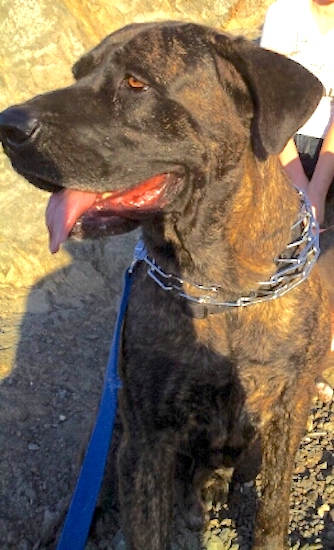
284, 93
90, 60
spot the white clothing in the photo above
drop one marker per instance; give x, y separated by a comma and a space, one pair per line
290, 29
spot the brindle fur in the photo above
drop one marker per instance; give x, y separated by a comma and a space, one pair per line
219, 109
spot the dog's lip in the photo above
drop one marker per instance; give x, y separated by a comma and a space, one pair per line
68, 205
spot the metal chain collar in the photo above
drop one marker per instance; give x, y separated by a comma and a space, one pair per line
301, 255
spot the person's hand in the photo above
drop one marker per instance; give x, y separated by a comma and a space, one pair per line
317, 201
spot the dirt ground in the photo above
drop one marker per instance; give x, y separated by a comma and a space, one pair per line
48, 404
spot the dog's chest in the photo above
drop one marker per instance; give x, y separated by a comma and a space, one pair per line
213, 332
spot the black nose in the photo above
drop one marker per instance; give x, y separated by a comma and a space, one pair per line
17, 127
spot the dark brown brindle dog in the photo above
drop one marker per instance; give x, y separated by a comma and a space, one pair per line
178, 126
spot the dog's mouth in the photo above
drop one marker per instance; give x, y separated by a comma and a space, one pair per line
122, 209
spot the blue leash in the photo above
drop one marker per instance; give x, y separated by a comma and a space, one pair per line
80, 513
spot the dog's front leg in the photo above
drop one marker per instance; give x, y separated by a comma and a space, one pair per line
146, 472
280, 441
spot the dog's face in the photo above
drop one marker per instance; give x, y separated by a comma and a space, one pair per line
154, 106
144, 102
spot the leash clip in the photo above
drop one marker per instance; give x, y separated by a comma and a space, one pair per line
139, 255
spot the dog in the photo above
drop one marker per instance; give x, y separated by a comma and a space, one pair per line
177, 127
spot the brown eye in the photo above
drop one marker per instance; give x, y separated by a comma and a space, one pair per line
136, 84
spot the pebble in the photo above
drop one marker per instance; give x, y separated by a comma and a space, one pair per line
49, 519
309, 424
120, 546
323, 509
216, 543
33, 447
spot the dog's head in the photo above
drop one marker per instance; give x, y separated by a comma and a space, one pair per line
154, 105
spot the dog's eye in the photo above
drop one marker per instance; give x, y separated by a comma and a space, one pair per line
136, 84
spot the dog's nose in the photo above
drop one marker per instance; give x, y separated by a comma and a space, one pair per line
17, 126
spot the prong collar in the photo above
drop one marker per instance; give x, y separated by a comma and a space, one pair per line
293, 267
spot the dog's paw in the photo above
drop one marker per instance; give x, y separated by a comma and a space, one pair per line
216, 489
324, 390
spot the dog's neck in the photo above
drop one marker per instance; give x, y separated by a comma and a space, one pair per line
293, 266
233, 242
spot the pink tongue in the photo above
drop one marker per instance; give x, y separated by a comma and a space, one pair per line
63, 210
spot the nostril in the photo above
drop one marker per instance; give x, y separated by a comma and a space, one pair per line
14, 136
17, 126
